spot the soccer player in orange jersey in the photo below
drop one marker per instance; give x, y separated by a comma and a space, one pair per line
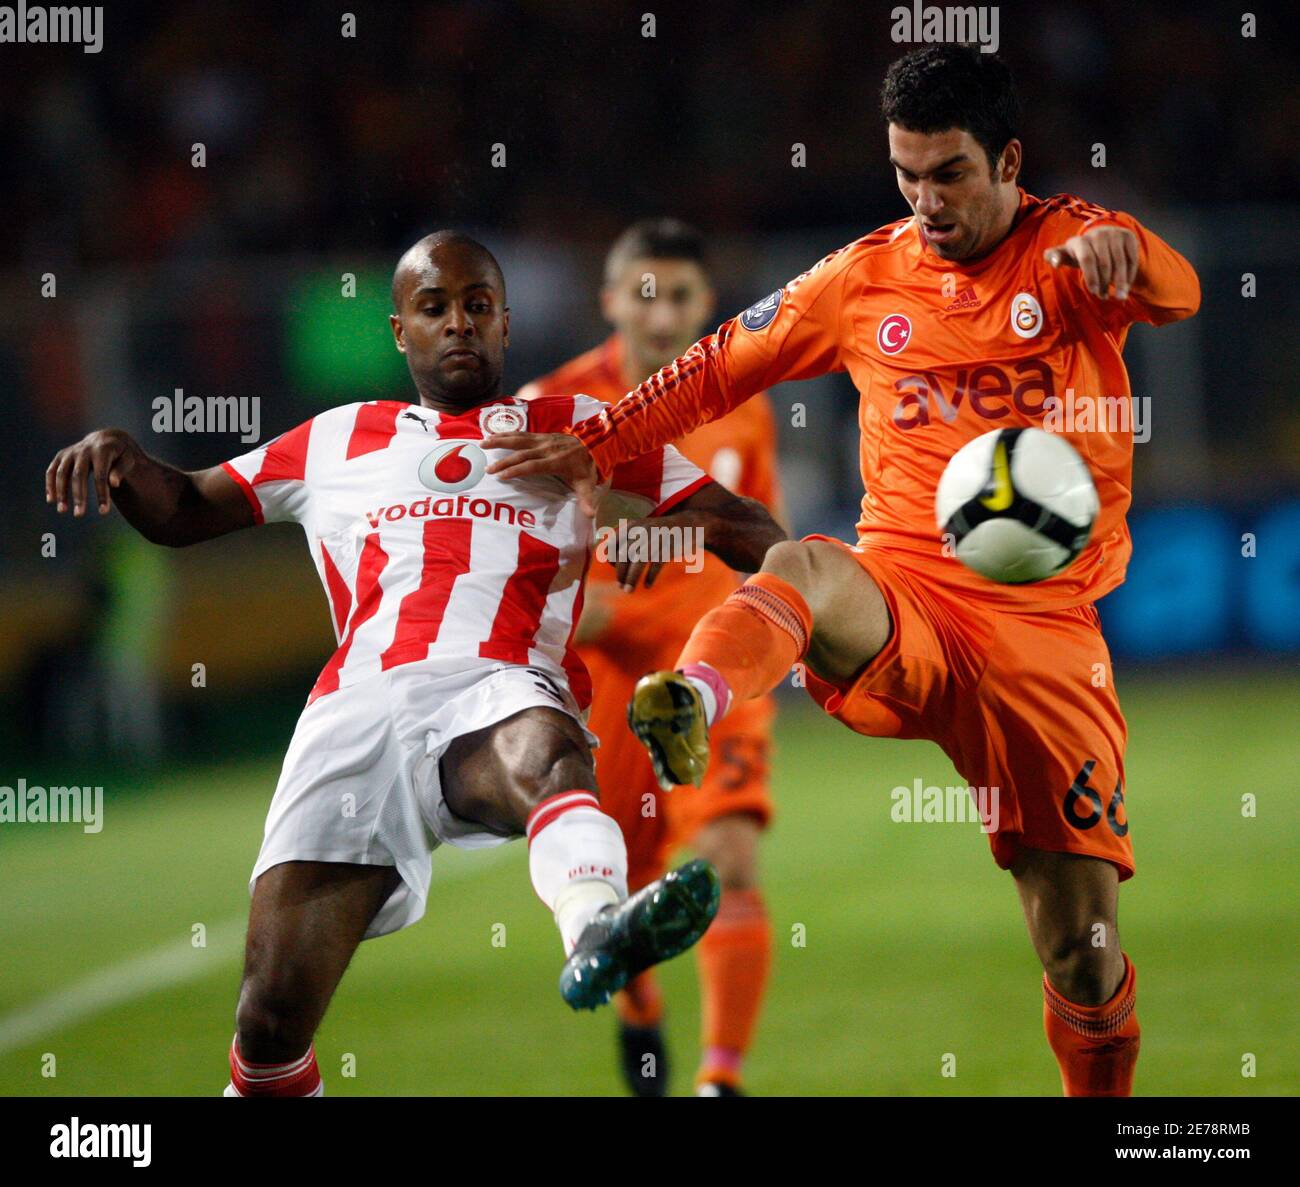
982, 310
658, 297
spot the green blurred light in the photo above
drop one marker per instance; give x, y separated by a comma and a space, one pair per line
339, 346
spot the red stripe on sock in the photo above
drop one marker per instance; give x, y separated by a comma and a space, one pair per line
555, 806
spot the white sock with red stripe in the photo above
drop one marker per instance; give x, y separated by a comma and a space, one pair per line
577, 859
298, 1077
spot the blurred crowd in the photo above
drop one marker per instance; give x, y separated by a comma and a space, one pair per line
316, 140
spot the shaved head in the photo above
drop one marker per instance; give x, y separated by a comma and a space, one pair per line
417, 257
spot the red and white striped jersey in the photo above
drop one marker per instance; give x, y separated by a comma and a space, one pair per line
422, 553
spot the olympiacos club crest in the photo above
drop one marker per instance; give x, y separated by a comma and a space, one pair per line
502, 418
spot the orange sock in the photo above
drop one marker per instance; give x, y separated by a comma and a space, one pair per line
752, 639
1096, 1046
735, 957
640, 1002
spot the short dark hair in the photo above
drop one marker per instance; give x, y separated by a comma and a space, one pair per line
939, 87
655, 239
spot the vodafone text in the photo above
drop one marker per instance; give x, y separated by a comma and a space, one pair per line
460, 507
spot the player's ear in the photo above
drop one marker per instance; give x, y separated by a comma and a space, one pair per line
1012, 159
505, 326
607, 303
396, 323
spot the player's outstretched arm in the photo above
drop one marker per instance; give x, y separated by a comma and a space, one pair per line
737, 530
1134, 263
164, 504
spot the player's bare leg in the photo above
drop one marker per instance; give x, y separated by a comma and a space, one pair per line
1089, 1013
532, 774
304, 925
810, 599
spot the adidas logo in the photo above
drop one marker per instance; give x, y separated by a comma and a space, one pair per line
966, 299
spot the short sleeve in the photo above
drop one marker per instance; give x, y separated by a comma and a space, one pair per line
273, 476
664, 477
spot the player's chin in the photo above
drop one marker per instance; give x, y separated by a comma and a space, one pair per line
467, 381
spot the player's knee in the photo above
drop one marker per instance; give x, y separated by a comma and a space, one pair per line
554, 764
730, 845
274, 1024
538, 758
1082, 971
795, 562
814, 567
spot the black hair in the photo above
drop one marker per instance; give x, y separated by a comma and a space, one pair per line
938, 87
655, 239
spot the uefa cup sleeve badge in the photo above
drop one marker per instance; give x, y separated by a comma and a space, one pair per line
502, 418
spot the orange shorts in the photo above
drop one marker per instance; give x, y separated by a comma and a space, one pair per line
655, 822
1024, 703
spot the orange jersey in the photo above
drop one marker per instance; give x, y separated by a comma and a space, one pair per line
739, 452
940, 351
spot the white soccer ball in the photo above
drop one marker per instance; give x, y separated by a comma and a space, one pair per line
1017, 505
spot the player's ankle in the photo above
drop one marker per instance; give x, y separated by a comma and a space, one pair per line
713, 690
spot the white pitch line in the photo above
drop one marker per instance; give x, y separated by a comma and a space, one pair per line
168, 966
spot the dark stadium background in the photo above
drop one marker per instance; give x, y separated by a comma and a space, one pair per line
328, 156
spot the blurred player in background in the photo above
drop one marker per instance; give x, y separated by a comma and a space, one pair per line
976, 312
453, 710
658, 297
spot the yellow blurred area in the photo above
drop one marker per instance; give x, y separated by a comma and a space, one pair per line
249, 607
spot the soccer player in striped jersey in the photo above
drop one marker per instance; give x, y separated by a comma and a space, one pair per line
453, 710
985, 308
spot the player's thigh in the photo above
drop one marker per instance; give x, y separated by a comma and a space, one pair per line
850, 616
495, 776
1050, 722
305, 922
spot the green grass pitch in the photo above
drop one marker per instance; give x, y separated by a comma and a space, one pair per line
914, 947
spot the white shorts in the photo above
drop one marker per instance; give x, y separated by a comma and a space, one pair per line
361, 783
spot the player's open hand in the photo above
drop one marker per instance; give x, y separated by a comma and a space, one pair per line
1105, 256
558, 455
109, 454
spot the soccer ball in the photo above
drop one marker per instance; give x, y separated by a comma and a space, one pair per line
1017, 504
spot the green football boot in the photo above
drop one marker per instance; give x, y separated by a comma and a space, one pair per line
657, 923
